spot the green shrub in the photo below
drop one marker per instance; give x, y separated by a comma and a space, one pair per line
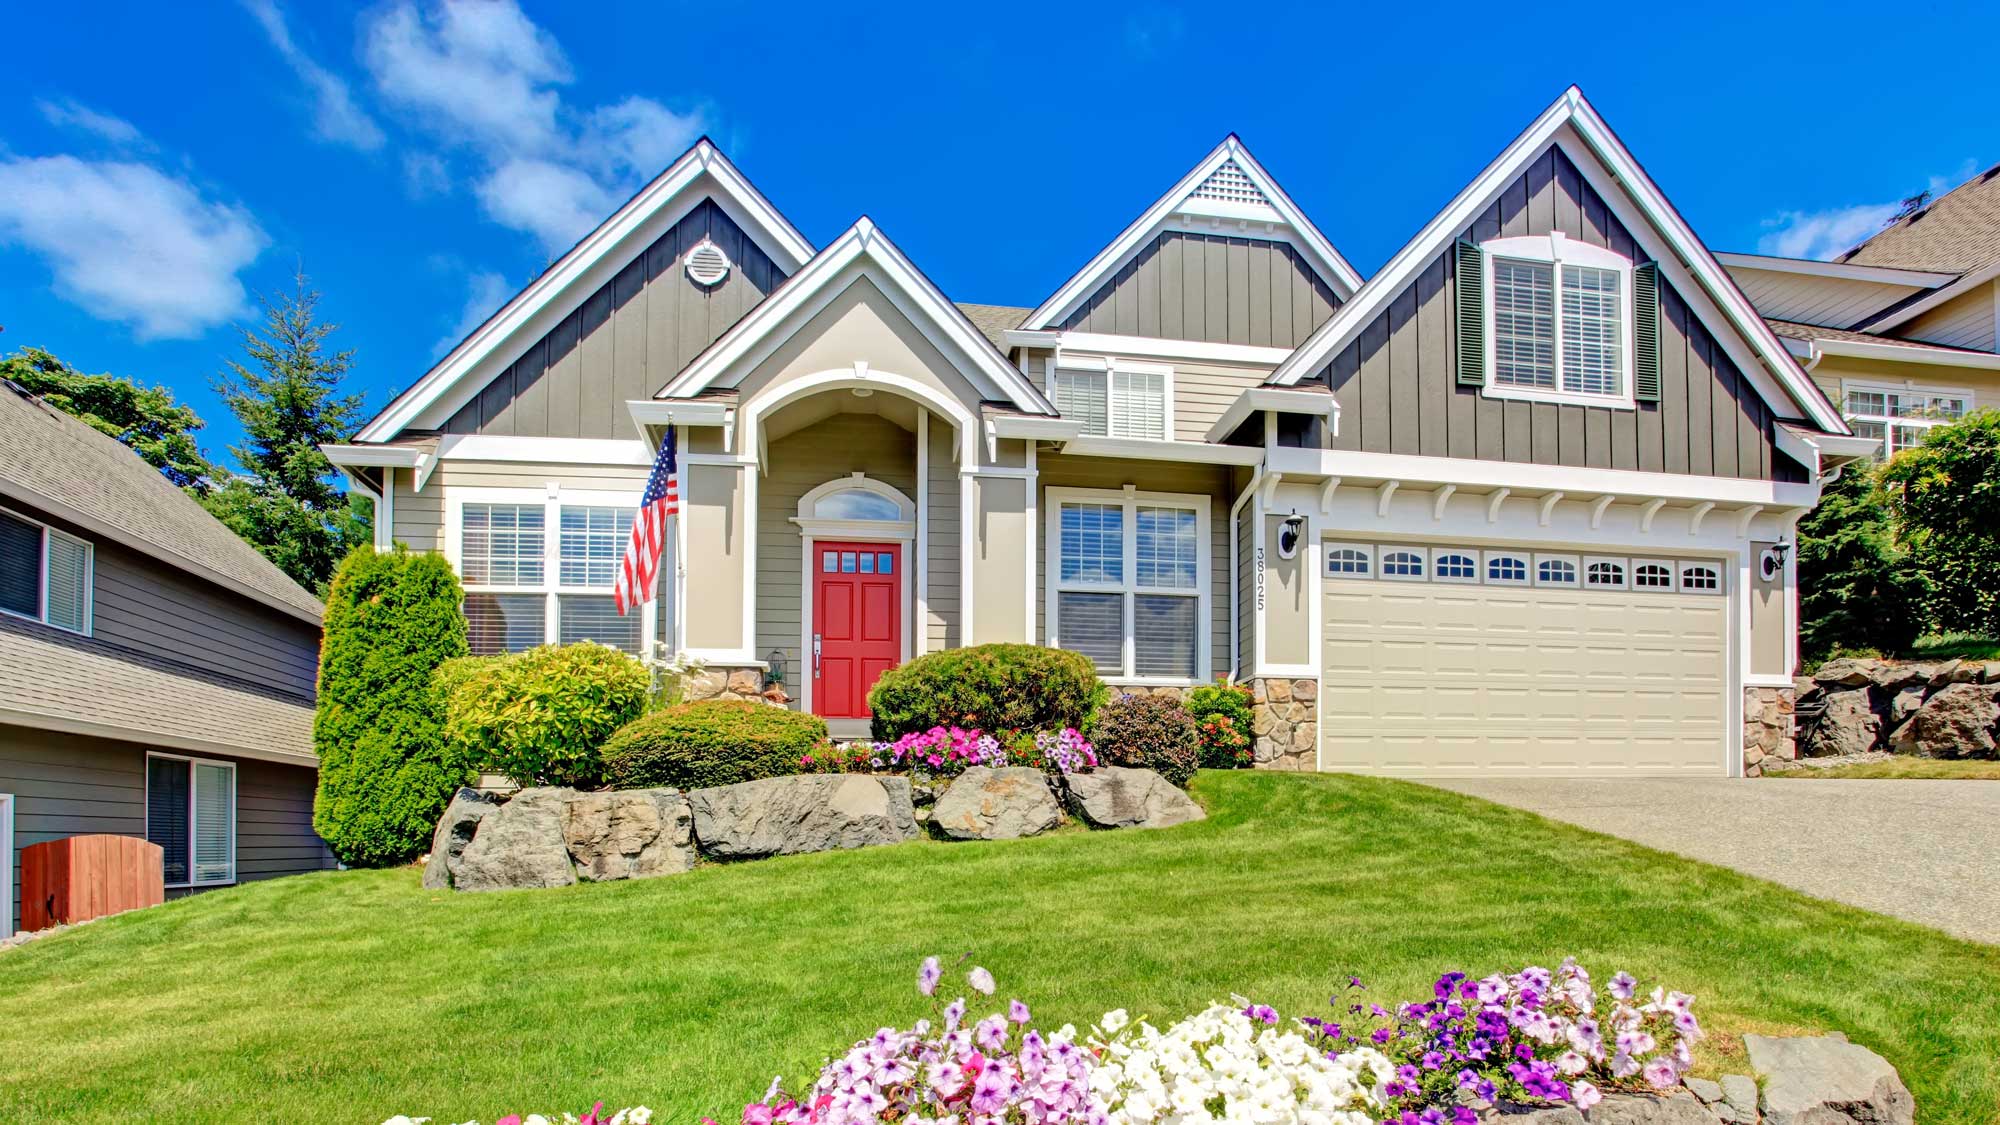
720, 742
1152, 732
1222, 718
1945, 497
1000, 689
1858, 589
385, 768
540, 716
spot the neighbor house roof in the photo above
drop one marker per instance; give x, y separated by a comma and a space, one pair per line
1809, 341
1956, 233
1792, 330
58, 464
54, 680
993, 321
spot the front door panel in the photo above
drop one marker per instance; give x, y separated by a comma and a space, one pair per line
857, 623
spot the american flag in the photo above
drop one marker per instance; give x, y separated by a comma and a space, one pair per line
649, 530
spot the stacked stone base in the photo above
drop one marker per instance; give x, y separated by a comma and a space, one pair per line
1285, 721
1767, 727
725, 682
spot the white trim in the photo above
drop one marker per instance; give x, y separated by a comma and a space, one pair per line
1193, 452
1558, 251
1423, 560
1034, 427
1281, 400
374, 456
194, 801
561, 288
921, 551
754, 337
1131, 498
1843, 271
1471, 554
647, 412
808, 503
41, 614
1111, 343
1623, 564
1333, 268
846, 378
1934, 298
1417, 471
968, 518
1688, 264
1029, 544
1493, 501
1439, 499
6, 865
385, 510
1934, 355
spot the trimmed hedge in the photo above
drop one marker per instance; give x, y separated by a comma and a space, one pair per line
385, 768
540, 716
995, 688
719, 742
1152, 732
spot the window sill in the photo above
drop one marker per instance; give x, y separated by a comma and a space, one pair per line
198, 886
1559, 398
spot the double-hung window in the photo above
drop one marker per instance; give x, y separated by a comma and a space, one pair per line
1560, 321
541, 571
44, 574
1115, 398
1899, 418
191, 815
1128, 575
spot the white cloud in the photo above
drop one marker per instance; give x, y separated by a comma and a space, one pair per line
336, 117
129, 243
1825, 235
486, 291
426, 174
482, 79
70, 114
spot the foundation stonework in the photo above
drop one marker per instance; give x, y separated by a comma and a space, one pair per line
724, 682
1767, 727
1285, 722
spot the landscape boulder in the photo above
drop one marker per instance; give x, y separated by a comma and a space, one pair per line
1123, 797
997, 804
454, 831
519, 844
630, 834
1827, 1081
1849, 725
1677, 1108
793, 815
1956, 722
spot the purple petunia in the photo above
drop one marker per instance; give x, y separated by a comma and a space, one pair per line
928, 976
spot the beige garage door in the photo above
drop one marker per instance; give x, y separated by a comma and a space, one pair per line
1453, 661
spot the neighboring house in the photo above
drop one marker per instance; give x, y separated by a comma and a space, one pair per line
156, 672
1902, 331
1520, 503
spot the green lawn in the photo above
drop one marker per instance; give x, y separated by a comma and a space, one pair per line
1903, 766
1964, 646
348, 996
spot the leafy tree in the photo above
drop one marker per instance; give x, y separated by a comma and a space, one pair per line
1945, 495
147, 419
386, 770
289, 504
1858, 589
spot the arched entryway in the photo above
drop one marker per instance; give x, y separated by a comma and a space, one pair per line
857, 614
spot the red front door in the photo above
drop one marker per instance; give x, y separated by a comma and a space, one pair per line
857, 623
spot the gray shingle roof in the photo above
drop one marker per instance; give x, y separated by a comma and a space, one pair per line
1957, 233
55, 680
993, 321
1798, 331
50, 458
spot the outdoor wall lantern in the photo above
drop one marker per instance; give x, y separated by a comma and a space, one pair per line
1289, 534
774, 669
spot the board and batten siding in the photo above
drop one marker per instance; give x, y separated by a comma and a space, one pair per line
1398, 388
626, 341
1184, 286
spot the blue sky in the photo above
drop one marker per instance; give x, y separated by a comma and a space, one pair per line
159, 164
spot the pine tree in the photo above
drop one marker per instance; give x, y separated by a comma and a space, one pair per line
160, 430
288, 502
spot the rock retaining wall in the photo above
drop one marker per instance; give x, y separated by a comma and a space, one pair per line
724, 682
1935, 709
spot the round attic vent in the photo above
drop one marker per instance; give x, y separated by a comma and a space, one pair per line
707, 264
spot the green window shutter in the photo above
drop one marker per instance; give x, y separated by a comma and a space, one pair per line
1646, 332
1471, 315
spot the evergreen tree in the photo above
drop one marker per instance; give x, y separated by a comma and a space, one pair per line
1945, 496
1858, 589
288, 503
160, 430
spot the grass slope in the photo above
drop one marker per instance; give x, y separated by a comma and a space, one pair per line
349, 996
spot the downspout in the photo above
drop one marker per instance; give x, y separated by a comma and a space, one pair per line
1235, 579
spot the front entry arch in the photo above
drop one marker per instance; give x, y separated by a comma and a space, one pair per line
857, 534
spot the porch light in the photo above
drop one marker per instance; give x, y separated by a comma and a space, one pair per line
774, 668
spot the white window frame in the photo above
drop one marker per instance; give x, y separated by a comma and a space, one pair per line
1383, 552
1889, 422
41, 614
552, 499
1111, 367
1478, 566
1129, 588
1673, 567
1489, 557
1365, 550
1572, 561
1680, 573
194, 798
1623, 564
6, 865
1559, 251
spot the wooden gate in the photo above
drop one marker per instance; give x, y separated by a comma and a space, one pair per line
82, 877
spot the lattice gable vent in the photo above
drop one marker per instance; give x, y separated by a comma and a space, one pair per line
1228, 184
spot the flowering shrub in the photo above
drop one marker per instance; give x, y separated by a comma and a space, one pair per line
948, 752
1534, 1035
1234, 1064
1151, 732
1222, 719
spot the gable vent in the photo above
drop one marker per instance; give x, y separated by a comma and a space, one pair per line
707, 264
1228, 184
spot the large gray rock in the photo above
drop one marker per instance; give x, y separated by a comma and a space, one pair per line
1709, 1092
1848, 726
1122, 797
1513, 1114
1903, 704
791, 815
1002, 804
454, 831
631, 834
1827, 1081
519, 844
1740, 1091
1849, 671
1956, 722
1677, 1108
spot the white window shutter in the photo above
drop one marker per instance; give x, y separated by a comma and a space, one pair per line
69, 582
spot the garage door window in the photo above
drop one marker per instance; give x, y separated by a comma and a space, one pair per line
1456, 566
1404, 563
1604, 574
1554, 571
1506, 570
1130, 570
1347, 560
1700, 580
1653, 576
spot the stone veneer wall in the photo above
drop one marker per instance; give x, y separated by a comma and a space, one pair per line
1767, 727
1285, 719
724, 682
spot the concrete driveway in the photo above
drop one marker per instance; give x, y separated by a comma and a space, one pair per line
1927, 851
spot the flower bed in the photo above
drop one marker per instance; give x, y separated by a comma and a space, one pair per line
950, 751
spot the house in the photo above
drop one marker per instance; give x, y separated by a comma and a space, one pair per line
1520, 503
156, 672
1903, 331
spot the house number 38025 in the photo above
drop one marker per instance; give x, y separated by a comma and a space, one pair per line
1260, 579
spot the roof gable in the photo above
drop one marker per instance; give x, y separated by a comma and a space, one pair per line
702, 173
1224, 194
1632, 198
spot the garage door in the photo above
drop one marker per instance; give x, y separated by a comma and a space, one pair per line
1448, 660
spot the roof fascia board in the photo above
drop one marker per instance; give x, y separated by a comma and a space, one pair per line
65, 724
1933, 299
1141, 449
1197, 351
1334, 269
374, 456
1284, 400
1900, 353
1840, 271
1353, 466
536, 309
33, 499
752, 339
